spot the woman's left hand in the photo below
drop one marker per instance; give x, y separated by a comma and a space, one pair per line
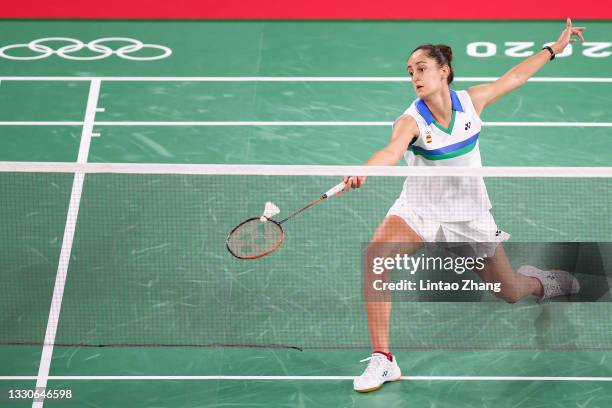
566, 37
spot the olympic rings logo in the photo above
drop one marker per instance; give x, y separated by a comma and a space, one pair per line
96, 46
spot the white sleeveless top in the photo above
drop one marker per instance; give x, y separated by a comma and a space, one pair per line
446, 198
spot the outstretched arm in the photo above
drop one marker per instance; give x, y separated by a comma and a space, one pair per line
486, 94
404, 131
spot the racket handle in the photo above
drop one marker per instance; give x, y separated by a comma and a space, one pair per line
334, 190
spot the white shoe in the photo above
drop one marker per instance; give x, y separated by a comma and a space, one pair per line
379, 371
555, 283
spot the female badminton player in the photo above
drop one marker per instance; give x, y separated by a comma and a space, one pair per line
441, 128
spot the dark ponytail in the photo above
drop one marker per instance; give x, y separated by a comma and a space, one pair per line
443, 54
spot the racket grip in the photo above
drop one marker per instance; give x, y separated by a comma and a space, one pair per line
334, 190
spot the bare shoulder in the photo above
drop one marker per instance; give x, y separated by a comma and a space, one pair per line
405, 131
479, 94
406, 125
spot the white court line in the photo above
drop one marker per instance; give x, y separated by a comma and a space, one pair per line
287, 79
548, 124
299, 378
41, 123
291, 123
70, 227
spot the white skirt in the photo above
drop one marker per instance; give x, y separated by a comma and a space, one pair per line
481, 232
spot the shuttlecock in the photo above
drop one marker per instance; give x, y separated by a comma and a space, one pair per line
270, 211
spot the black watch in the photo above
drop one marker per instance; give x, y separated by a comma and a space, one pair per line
552, 53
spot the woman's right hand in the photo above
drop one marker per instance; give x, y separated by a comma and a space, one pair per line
353, 182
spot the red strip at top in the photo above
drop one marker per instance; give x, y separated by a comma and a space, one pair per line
310, 9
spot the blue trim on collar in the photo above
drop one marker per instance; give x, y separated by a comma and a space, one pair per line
456, 104
426, 113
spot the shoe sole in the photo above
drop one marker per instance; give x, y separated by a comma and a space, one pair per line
376, 388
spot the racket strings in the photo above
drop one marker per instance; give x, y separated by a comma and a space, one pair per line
255, 238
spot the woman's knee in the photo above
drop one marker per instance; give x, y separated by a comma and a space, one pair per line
394, 229
392, 236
